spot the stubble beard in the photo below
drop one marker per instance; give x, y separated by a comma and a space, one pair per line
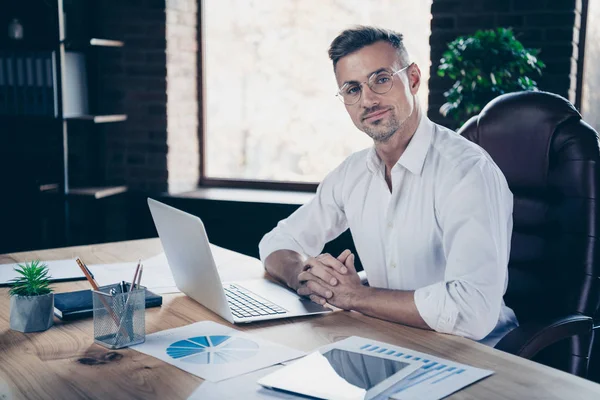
380, 130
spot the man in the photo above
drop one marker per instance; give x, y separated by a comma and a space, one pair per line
429, 211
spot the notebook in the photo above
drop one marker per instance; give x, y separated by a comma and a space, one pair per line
75, 305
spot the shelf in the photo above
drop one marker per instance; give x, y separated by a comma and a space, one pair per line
32, 117
49, 187
106, 43
94, 42
99, 119
97, 192
28, 45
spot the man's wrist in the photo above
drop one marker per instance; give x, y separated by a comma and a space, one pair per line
358, 300
293, 281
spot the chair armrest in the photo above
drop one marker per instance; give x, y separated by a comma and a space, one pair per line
528, 339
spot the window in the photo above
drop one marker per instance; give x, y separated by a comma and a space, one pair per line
269, 88
591, 74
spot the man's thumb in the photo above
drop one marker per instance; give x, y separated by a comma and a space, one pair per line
343, 257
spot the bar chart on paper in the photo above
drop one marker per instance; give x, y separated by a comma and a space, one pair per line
435, 379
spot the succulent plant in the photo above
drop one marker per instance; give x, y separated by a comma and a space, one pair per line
33, 280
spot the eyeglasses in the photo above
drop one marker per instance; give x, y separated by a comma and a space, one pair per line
379, 82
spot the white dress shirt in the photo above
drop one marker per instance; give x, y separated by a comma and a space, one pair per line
444, 231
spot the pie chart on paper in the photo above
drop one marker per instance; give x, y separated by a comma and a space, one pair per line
216, 349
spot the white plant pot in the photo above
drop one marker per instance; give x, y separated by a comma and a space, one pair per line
31, 313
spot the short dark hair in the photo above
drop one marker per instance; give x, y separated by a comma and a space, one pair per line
360, 36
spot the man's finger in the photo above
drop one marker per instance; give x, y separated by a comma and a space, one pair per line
317, 288
303, 291
330, 261
320, 274
311, 287
317, 299
344, 255
350, 263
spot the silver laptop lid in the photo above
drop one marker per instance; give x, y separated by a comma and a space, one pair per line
187, 249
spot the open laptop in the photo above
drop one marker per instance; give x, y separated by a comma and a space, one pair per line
187, 249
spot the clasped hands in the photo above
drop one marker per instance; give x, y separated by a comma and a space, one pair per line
327, 279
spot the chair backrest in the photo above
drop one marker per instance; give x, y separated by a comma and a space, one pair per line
550, 158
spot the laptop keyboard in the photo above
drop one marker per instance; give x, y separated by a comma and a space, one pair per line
243, 303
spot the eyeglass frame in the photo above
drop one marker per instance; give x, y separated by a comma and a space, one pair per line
360, 84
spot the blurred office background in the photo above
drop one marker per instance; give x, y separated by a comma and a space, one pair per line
224, 108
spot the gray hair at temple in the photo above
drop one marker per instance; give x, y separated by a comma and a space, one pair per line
354, 39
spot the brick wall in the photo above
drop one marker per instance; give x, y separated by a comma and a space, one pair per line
182, 106
133, 81
549, 25
153, 80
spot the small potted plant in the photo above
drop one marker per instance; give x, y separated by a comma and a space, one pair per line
32, 300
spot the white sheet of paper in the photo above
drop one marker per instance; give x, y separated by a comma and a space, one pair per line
157, 275
214, 352
58, 270
241, 387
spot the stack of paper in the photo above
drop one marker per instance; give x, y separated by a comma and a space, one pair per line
157, 275
59, 270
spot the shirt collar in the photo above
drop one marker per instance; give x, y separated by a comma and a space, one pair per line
413, 157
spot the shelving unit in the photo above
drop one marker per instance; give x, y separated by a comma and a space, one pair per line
63, 32
82, 41
100, 119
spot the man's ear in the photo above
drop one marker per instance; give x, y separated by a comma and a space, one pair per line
414, 77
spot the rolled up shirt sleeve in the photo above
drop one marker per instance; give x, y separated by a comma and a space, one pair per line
475, 216
314, 224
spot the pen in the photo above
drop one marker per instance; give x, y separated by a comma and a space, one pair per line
92, 282
140, 277
135, 275
86, 272
139, 268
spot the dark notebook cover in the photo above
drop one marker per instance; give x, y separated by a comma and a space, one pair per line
75, 305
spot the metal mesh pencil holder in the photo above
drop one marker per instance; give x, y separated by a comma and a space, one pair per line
119, 317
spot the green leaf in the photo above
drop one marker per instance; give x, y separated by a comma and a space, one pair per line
483, 66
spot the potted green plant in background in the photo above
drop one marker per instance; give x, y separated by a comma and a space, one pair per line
32, 300
484, 66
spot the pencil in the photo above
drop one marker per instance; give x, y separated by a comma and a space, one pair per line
132, 286
86, 272
96, 288
140, 276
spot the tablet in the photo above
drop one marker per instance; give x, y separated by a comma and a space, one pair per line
341, 374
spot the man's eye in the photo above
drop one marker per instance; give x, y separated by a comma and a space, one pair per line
382, 79
352, 90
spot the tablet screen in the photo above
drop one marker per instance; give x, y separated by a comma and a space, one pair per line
362, 370
337, 373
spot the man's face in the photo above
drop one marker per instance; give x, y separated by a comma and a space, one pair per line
379, 115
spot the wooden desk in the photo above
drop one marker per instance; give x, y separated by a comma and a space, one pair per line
63, 362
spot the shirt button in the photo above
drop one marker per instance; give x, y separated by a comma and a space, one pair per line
390, 224
393, 265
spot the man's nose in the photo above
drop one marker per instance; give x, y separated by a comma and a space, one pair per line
369, 98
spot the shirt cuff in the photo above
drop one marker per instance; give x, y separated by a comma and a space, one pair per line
436, 307
271, 245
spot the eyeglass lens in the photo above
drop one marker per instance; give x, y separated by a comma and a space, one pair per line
380, 83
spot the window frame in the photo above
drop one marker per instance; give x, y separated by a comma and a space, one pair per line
206, 182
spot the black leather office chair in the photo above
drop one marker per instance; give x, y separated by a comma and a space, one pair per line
550, 158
